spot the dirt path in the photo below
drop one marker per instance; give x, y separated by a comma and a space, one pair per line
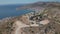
19, 25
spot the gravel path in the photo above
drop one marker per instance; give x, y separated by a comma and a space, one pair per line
19, 26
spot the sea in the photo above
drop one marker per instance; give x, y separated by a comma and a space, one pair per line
10, 10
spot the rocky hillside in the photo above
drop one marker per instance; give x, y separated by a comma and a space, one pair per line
38, 5
44, 19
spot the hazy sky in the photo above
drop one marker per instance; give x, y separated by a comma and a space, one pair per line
4, 2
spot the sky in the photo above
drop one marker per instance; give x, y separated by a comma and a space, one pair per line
4, 2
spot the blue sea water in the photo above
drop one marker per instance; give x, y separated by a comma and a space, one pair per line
10, 10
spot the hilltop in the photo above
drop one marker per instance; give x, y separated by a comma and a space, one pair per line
44, 19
